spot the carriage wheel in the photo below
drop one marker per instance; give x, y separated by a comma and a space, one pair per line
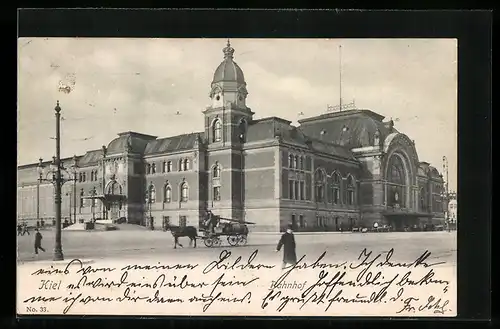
232, 240
243, 239
209, 242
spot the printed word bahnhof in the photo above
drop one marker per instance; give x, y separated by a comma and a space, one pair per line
335, 171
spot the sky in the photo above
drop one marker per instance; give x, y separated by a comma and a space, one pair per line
139, 85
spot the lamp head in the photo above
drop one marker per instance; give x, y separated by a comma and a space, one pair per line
39, 168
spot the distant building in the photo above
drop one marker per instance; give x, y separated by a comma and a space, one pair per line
452, 208
338, 170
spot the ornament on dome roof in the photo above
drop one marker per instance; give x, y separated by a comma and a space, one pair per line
228, 50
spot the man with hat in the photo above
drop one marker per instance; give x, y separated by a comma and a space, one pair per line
288, 242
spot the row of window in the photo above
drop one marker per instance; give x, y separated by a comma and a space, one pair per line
167, 193
167, 166
298, 221
296, 162
217, 130
334, 187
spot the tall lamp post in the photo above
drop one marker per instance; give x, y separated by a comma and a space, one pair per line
93, 193
446, 194
74, 171
149, 200
57, 180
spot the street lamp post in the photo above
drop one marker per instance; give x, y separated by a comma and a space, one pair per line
74, 172
149, 199
57, 180
446, 194
94, 193
69, 195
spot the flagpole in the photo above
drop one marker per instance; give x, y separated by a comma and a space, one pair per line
340, 77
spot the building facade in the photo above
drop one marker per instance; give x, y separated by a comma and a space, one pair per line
335, 171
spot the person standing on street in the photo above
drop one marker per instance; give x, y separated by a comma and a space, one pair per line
38, 241
288, 242
25, 228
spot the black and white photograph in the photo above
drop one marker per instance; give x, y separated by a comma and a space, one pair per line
237, 177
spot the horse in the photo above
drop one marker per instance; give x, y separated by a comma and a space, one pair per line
182, 231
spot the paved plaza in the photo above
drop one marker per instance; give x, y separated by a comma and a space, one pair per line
143, 244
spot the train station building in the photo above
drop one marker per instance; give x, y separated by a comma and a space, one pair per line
343, 169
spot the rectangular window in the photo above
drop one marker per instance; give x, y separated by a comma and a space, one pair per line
169, 166
164, 167
182, 221
302, 190
301, 221
297, 192
165, 222
294, 223
217, 193
336, 195
153, 168
291, 190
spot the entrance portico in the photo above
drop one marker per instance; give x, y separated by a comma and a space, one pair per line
399, 219
112, 206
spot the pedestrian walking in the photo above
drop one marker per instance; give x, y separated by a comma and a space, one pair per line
19, 229
25, 228
38, 241
288, 242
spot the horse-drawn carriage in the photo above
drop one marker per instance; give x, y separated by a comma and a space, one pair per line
214, 228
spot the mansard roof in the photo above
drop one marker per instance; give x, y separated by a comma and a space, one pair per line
172, 144
350, 128
268, 128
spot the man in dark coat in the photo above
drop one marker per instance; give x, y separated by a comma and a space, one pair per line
288, 242
38, 242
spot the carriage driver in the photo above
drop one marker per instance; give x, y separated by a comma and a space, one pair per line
211, 222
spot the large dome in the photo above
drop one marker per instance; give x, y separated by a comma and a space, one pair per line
228, 70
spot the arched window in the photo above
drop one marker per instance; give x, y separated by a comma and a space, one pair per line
167, 195
290, 161
184, 192
186, 164
148, 169
319, 182
301, 163
216, 182
423, 199
217, 130
84, 177
152, 193
397, 182
180, 165
350, 188
169, 166
216, 171
296, 162
336, 181
153, 168
114, 188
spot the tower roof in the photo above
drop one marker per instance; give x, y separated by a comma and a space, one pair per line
228, 70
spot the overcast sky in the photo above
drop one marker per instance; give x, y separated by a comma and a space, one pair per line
139, 84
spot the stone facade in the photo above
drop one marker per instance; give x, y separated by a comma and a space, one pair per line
336, 171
